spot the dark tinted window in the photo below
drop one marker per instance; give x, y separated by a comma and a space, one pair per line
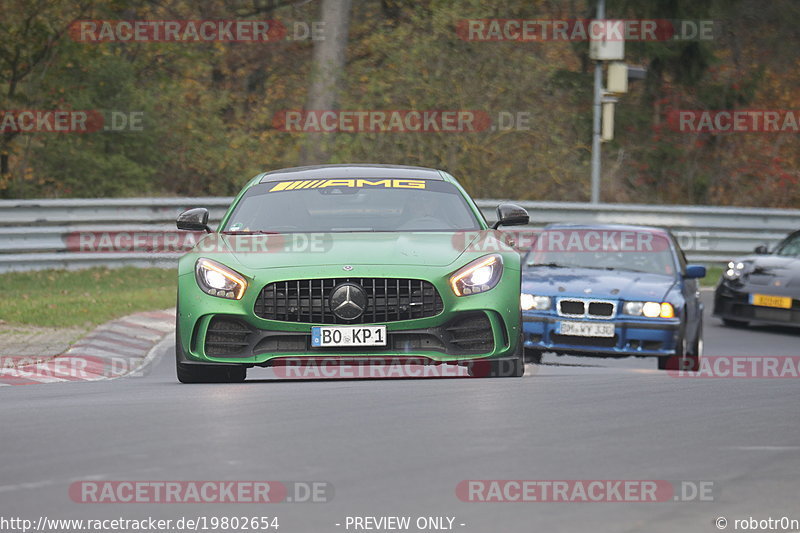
790, 246
338, 205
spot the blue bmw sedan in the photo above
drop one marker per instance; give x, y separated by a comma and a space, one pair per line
612, 291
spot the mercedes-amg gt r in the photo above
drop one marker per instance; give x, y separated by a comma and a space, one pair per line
356, 263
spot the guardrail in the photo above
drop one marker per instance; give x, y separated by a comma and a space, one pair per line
36, 234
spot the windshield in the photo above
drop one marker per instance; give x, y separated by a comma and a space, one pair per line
636, 251
790, 247
352, 205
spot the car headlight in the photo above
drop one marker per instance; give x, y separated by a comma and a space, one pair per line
531, 301
649, 309
218, 280
478, 276
734, 271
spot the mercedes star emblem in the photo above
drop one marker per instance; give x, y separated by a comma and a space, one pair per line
348, 268
348, 301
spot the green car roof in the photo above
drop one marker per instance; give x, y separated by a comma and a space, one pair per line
352, 171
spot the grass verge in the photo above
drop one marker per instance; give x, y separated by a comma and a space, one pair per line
713, 272
84, 298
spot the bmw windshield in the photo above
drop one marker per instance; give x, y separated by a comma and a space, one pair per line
344, 205
633, 251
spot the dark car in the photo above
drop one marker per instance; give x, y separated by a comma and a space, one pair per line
762, 288
612, 291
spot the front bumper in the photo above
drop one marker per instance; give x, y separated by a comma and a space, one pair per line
642, 337
733, 304
214, 330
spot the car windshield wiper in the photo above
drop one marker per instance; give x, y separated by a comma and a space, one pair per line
628, 270
592, 267
551, 265
260, 232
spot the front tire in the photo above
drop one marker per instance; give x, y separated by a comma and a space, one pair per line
734, 323
532, 356
509, 368
210, 373
512, 367
194, 373
683, 360
198, 373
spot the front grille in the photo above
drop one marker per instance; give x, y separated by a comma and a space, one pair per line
473, 332
601, 309
777, 315
465, 334
574, 307
388, 300
410, 342
288, 343
226, 336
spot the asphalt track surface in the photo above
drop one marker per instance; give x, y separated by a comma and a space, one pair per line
399, 447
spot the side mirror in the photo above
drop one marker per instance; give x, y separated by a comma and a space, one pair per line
194, 220
511, 215
695, 271
761, 249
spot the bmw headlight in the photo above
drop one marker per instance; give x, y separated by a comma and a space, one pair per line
218, 280
478, 276
532, 301
734, 271
649, 309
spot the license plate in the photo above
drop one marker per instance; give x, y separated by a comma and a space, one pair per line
586, 329
784, 302
322, 336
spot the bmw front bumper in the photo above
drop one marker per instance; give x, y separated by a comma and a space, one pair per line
632, 336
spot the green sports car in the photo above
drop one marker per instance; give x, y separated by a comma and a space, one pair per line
352, 264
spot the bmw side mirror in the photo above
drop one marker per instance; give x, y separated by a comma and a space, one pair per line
761, 249
511, 215
695, 272
194, 220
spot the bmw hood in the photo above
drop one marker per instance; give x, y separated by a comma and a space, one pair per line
435, 249
593, 283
